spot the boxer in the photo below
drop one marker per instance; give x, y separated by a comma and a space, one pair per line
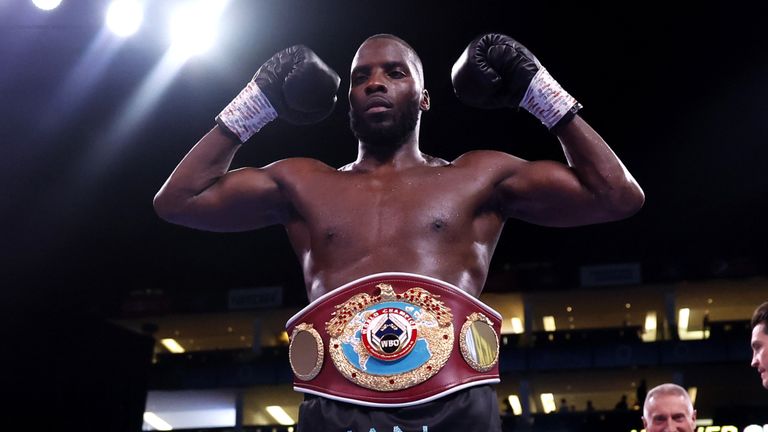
396, 245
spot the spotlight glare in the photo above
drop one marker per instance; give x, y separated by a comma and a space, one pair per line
47, 5
194, 27
124, 17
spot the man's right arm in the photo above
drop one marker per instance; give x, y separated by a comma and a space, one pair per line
202, 193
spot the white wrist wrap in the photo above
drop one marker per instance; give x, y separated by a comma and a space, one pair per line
546, 99
248, 112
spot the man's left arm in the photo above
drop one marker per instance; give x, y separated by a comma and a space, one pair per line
496, 71
594, 187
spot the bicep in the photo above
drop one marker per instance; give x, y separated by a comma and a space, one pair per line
243, 199
548, 193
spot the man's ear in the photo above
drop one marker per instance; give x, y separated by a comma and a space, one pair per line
424, 103
645, 423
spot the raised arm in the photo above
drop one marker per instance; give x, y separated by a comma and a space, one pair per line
202, 193
496, 71
594, 187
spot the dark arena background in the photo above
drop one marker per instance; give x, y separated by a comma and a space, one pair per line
92, 281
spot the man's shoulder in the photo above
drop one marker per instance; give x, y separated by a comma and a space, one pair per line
297, 170
483, 158
301, 164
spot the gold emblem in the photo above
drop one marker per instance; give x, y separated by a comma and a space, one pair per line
305, 353
479, 342
390, 341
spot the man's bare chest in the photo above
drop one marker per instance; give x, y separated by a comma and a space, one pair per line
385, 207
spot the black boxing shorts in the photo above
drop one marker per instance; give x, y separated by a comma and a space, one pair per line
472, 409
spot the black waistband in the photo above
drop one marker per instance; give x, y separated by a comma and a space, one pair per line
471, 409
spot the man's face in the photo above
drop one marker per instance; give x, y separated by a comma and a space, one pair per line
385, 92
669, 413
760, 352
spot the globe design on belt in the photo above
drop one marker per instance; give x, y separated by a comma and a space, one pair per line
390, 341
389, 334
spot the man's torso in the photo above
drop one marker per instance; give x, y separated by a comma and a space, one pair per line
441, 220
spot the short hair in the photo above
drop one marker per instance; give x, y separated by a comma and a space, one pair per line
403, 43
760, 316
666, 389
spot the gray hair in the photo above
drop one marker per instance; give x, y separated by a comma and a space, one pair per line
667, 389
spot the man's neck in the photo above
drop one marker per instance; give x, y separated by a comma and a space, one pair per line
400, 155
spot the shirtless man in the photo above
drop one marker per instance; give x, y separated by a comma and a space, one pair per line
396, 209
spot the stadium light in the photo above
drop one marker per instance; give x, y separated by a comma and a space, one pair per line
156, 422
47, 5
682, 318
517, 325
548, 403
651, 327
194, 27
171, 345
549, 323
514, 403
279, 414
124, 17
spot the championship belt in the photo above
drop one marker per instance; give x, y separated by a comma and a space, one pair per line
393, 340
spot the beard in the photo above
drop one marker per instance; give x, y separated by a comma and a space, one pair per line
378, 134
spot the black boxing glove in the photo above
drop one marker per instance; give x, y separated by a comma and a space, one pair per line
496, 71
295, 85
